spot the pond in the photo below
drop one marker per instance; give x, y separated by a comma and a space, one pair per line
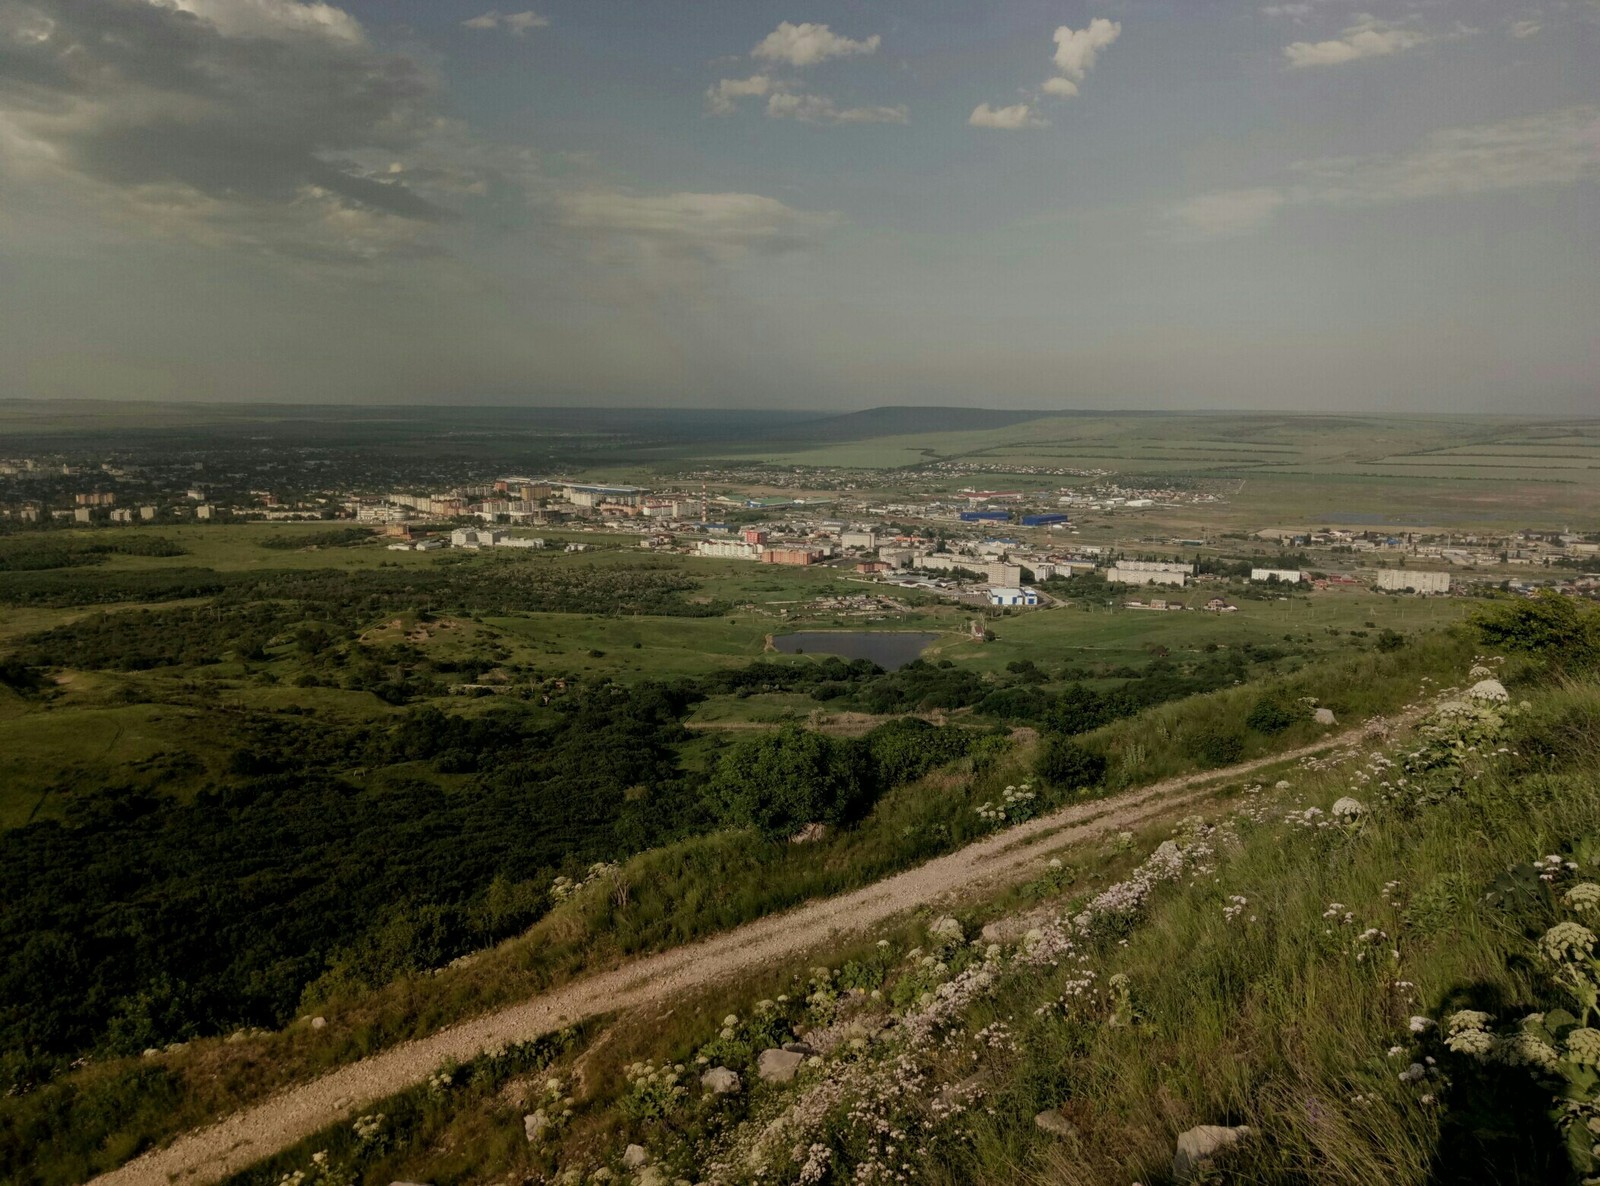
889, 649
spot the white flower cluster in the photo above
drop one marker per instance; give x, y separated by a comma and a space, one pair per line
563, 888
1016, 804
369, 1128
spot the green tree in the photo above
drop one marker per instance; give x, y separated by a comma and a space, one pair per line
780, 781
1066, 764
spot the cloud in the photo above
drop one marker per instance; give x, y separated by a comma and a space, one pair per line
1293, 10
819, 109
265, 123
1062, 88
1018, 115
515, 23
1554, 148
715, 227
1523, 29
1076, 51
720, 99
808, 44
1225, 213
1367, 38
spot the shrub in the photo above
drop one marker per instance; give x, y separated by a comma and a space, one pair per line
781, 781
1271, 714
1217, 747
1066, 764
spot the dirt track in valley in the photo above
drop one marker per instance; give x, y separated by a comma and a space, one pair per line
209, 1154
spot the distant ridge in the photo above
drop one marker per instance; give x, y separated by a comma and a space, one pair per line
891, 421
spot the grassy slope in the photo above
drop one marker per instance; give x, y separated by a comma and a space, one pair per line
1277, 1015
674, 894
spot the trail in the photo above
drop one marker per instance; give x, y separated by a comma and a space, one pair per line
209, 1154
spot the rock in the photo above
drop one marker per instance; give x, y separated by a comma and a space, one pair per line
318, 1022
634, 1157
778, 1066
1490, 689
151, 1052
1348, 809
946, 930
534, 1124
721, 1081
804, 1048
1054, 1123
1324, 716
651, 1175
810, 834
1198, 1144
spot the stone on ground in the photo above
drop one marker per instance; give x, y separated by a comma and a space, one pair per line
1324, 716
720, 1081
1198, 1144
634, 1157
778, 1066
1054, 1123
534, 1124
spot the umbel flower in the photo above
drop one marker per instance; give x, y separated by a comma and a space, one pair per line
1567, 940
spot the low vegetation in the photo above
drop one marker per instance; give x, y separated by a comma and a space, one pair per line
1381, 968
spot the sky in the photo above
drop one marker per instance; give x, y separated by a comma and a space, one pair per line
1362, 205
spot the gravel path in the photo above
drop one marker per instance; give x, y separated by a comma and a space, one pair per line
211, 1153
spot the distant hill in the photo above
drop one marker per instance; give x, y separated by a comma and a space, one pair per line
899, 421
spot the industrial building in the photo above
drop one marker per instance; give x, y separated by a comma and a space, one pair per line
986, 516
1402, 580
1284, 576
1012, 595
1048, 520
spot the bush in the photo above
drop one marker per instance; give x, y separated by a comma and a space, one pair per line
781, 781
1217, 747
1272, 714
1065, 764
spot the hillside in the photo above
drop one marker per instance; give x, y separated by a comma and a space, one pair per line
1332, 957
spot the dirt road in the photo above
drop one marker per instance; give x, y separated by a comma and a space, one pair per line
208, 1154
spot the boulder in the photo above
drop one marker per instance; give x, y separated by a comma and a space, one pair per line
810, 834
720, 1081
946, 930
778, 1066
634, 1157
804, 1048
1199, 1144
534, 1124
1054, 1123
1324, 716
318, 1022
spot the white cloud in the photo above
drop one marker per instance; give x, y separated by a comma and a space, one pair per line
515, 23
273, 18
807, 44
1525, 29
1294, 10
720, 99
1076, 51
1225, 213
1062, 88
1367, 38
715, 227
1018, 115
1554, 148
819, 109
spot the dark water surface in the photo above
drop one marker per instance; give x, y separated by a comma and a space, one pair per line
889, 649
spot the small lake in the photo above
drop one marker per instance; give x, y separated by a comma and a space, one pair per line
889, 649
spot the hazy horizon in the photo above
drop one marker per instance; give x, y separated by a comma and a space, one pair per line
1133, 205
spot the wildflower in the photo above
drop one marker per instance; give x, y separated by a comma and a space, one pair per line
1475, 1043
1419, 1024
1567, 940
1525, 1049
1468, 1019
1348, 810
1584, 897
1583, 1047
